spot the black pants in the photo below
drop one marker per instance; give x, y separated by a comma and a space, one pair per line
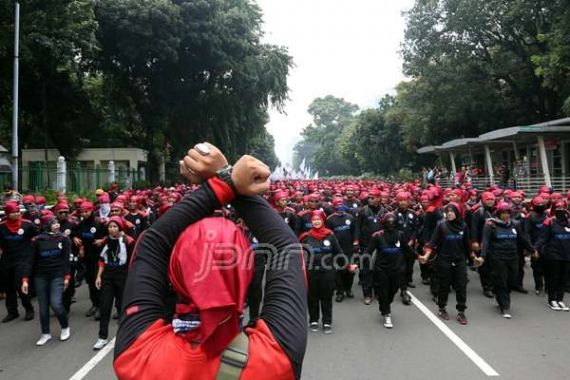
255, 291
70, 291
452, 274
366, 276
112, 287
91, 269
537, 266
485, 275
321, 289
13, 289
522, 262
425, 271
344, 280
504, 273
556, 275
387, 282
408, 277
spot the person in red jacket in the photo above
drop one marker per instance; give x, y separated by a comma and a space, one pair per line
209, 313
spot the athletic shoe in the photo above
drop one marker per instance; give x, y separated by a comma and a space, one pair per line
554, 305
44, 338
388, 321
339, 297
539, 292
563, 306
327, 329
443, 314
520, 289
314, 326
65, 334
100, 344
367, 300
488, 294
461, 318
505, 313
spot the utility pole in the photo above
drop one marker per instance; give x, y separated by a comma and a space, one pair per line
16, 95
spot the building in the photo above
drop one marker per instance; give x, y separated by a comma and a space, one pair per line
90, 170
535, 155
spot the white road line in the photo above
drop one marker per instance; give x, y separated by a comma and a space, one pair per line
83, 371
475, 358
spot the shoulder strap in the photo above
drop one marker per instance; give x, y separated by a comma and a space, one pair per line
234, 358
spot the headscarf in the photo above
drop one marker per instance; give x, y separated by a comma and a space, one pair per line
317, 233
13, 225
214, 296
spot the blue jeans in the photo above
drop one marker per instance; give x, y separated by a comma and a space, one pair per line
50, 292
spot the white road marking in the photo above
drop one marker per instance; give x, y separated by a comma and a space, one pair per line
83, 371
468, 351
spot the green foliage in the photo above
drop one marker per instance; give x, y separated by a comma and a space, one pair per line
157, 74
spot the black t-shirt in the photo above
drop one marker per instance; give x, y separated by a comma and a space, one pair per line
17, 246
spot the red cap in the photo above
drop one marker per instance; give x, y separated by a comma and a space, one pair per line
28, 199
11, 207
337, 202
118, 221
41, 200
61, 206
87, 206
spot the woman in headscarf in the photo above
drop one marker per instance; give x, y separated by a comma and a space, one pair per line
501, 239
389, 246
451, 241
205, 341
555, 243
112, 274
50, 267
323, 248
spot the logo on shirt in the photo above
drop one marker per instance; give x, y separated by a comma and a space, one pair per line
36, 221
326, 243
397, 244
21, 231
514, 231
60, 245
67, 232
348, 222
286, 220
410, 215
93, 230
138, 221
255, 240
354, 205
567, 229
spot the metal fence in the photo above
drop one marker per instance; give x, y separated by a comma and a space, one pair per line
40, 177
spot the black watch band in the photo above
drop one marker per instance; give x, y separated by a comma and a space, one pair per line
225, 174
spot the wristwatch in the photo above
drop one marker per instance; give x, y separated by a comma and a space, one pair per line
225, 174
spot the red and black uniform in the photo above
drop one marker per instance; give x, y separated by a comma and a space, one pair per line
304, 221
368, 222
289, 216
140, 223
16, 244
478, 220
533, 227
68, 228
89, 230
407, 221
147, 348
343, 226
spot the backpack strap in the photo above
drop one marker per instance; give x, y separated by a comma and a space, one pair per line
234, 358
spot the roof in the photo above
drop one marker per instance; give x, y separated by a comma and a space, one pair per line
498, 136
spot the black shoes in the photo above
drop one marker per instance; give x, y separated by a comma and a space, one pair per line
406, 299
488, 294
349, 294
10, 317
520, 289
339, 297
29, 315
91, 312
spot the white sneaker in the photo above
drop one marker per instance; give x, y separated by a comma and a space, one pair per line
100, 344
314, 326
554, 305
563, 306
388, 321
65, 334
43, 339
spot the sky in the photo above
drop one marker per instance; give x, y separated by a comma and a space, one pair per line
348, 49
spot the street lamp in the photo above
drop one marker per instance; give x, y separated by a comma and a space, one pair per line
16, 95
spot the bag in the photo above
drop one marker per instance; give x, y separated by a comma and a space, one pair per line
234, 358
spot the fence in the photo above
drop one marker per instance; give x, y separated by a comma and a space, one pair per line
38, 177
529, 184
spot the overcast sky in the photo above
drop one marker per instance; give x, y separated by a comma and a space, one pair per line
348, 49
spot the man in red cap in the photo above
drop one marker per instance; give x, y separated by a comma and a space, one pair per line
32, 212
136, 217
16, 236
368, 222
280, 199
407, 222
304, 217
478, 220
343, 226
350, 201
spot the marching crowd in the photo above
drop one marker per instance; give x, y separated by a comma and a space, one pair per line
375, 229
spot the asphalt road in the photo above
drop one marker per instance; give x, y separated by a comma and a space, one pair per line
534, 344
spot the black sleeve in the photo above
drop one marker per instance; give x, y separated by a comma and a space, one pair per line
524, 240
66, 250
467, 240
337, 250
543, 238
435, 241
487, 231
475, 226
285, 301
147, 283
30, 260
372, 245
